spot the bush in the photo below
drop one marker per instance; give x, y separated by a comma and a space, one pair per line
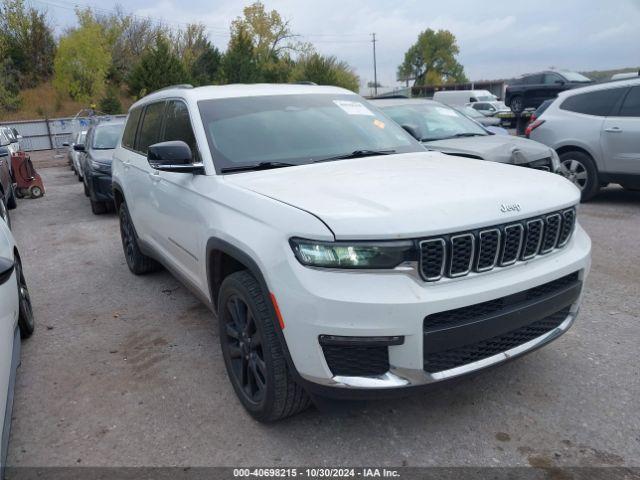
110, 103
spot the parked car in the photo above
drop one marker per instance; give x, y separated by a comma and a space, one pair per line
538, 112
16, 320
76, 156
596, 132
7, 190
496, 109
13, 137
342, 258
474, 114
442, 128
97, 152
463, 97
529, 91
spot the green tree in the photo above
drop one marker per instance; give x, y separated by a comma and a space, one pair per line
206, 69
110, 103
239, 63
82, 62
158, 67
432, 60
326, 70
27, 42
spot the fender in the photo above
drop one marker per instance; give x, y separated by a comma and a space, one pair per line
215, 243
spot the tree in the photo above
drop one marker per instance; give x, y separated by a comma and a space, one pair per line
326, 70
27, 42
158, 67
82, 62
432, 60
110, 103
239, 63
207, 67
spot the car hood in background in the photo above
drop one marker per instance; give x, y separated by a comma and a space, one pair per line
411, 195
102, 156
495, 148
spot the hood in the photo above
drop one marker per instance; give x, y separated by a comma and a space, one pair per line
410, 195
102, 156
494, 148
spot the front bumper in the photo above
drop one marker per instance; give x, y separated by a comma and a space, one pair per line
316, 303
99, 186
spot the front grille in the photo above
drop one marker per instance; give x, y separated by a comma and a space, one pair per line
440, 361
478, 311
480, 250
357, 360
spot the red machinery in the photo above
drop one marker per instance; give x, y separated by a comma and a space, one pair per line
28, 181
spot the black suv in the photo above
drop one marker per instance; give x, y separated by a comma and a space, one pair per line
529, 91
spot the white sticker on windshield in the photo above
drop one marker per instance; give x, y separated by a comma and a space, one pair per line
446, 111
353, 108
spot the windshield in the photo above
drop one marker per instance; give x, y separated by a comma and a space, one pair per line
575, 77
81, 137
434, 122
106, 136
486, 98
296, 129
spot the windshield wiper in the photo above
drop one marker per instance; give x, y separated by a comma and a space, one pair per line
356, 154
467, 134
256, 166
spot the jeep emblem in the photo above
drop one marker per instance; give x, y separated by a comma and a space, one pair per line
510, 207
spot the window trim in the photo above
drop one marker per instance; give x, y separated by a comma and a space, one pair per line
135, 134
141, 123
620, 103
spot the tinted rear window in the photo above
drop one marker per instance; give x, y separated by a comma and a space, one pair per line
598, 103
129, 135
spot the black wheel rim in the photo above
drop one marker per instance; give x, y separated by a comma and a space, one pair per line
244, 347
24, 298
128, 237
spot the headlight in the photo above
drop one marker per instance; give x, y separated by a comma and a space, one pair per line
101, 167
367, 255
555, 161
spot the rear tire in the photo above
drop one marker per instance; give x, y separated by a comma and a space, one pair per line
11, 201
98, 208
137, 262
581, 170
517, 104
26, 321
252, 351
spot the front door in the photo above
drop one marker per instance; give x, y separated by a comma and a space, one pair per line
620, 136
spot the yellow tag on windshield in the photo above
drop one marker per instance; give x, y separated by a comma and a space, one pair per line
378, 123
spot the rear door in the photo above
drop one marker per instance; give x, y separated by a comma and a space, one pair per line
620, 137
552, 85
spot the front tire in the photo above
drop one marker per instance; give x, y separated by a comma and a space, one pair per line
137, 262
580, 169
252, 352
98, 208
26, 321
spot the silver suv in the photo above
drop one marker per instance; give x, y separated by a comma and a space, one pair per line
596, 132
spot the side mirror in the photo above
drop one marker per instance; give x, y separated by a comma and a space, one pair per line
173, 156
65, 144
473, 100
413, 131
78, 147
6, 269
4, 152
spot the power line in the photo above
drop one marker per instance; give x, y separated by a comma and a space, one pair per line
375, 68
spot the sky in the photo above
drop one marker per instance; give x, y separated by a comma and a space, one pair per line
497, 38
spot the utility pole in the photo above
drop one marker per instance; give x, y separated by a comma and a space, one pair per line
375, 69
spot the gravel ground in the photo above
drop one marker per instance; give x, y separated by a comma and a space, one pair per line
126, 371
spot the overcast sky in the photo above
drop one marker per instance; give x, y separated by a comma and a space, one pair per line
497, 39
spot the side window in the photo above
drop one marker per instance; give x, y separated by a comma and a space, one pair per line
533, 79
480, 106
149, 131
551, 78
177, 125
631, 105
598, 103
129, 134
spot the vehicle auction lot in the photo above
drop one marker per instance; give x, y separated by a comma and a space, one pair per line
126, 370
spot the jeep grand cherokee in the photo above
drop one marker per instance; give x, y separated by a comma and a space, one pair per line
342, 259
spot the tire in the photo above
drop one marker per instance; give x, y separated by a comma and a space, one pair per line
86, 189
35, 192
80, 179
137, 262
98, 208
517, 105
580, 169
26, 321
11, 200
252, 352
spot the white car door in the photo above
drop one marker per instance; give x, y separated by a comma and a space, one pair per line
620, 137
178, 222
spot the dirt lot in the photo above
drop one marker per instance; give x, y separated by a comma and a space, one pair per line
126, 370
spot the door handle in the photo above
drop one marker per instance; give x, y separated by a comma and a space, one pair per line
613, 130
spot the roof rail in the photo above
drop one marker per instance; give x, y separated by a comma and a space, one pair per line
181, 85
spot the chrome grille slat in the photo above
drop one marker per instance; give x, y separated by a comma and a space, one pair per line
457, 254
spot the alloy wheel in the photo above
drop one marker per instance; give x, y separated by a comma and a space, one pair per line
244, 346
128, 238
575, 172
26, 309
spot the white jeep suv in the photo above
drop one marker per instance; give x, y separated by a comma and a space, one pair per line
342, 259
